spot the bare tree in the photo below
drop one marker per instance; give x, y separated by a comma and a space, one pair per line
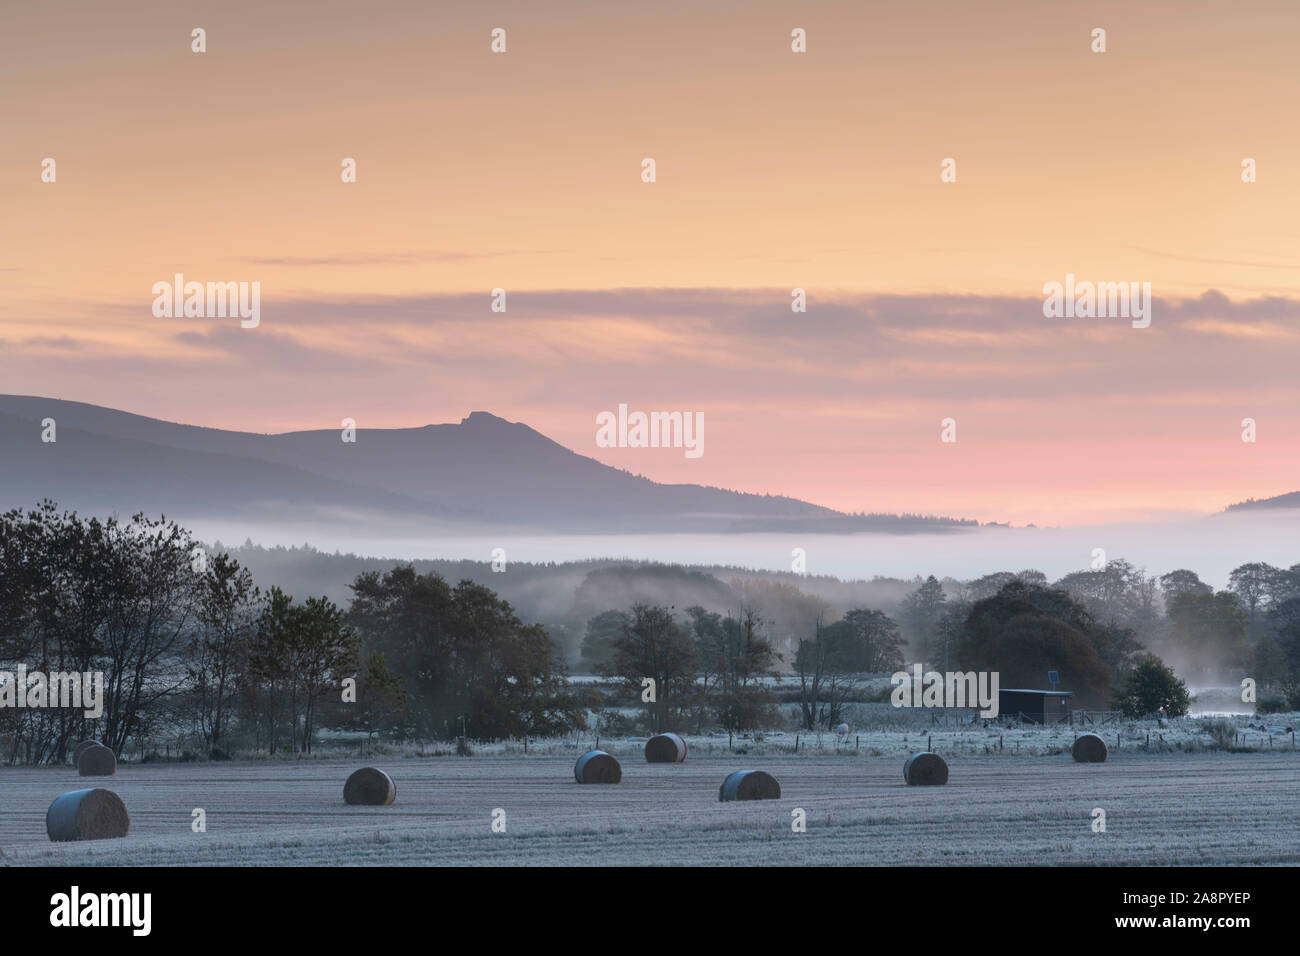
229, 606
655, 646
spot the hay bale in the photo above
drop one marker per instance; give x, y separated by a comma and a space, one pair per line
665, 748
370, 787
842, 730
96, 814
596, 766
1089, 748
97, 761
82, 748
925, 769
749, 785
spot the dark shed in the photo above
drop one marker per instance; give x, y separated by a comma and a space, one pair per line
1035, 706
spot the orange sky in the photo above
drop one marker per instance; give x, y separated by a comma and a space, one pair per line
775, 170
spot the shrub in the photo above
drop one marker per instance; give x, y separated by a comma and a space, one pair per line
1291, 689
1152, 687
1223, 732
612, 722
1272, 702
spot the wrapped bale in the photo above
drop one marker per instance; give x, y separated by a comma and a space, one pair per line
665, 748
97, 761
82, 748
96, 814
369, 787
596, 766
1089, 748
925, 769
749, 785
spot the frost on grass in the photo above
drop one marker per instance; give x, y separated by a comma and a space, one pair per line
1163, 808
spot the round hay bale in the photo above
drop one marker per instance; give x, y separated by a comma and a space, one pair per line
749, 785
596, 766
82, 748
842, 730
1089, 748
97, 761
665, 748
370, 787
925, 769
96, 814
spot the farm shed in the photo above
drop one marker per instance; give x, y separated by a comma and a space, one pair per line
1035, 706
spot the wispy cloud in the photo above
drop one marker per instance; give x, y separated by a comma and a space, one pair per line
1280, 263
372, 259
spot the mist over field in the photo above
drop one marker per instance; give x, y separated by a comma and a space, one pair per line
1213, 545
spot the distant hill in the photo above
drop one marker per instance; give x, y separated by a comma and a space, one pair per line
482, 471
1289, 500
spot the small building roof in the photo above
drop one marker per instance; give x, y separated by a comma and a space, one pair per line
1021, 690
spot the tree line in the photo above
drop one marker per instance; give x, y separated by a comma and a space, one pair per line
1118, 614
712, 669
192, 649
1117, 637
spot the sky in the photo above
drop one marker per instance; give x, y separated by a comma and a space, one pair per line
775, 170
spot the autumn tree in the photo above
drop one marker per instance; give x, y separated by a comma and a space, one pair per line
463, 654
1152, 688
1024, 631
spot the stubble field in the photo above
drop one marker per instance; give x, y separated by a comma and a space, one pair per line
1160, 809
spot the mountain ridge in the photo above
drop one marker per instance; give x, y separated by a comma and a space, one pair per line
485, 469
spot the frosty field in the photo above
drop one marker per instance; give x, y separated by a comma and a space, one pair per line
1172, 808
